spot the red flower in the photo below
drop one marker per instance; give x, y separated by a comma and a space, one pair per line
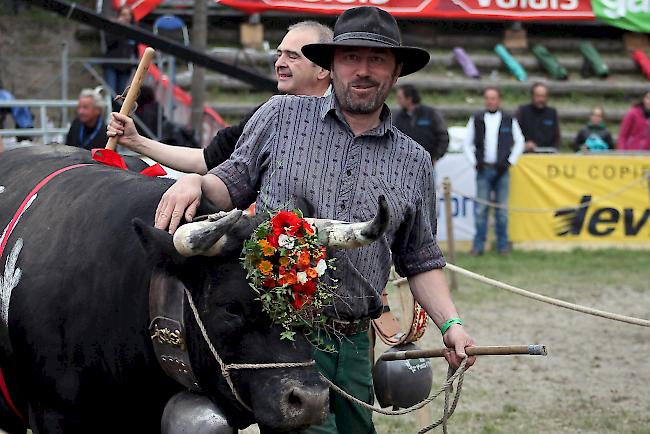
285, 220
269, 283
273, 240
299, 300
307, 288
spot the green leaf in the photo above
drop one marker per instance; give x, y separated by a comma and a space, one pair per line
288, 335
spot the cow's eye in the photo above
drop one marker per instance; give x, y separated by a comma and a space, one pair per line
233, 309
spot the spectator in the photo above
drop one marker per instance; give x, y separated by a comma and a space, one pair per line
147, 110
422, 123
117, 75
88, 130
635, 129
21, 115
539, 122
594, 136
493, 142
296, 75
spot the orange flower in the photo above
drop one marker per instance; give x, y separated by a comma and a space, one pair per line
311, 273
265, 267
288, 279
304, 259
284, 261
267, 248
309, 230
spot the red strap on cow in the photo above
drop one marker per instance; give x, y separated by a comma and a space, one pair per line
113, 159
3, 242
28, 199
5, 394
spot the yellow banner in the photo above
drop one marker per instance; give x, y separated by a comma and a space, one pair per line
580, 198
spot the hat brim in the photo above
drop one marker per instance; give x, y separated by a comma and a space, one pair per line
412, 58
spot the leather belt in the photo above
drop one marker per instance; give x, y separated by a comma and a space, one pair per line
348, 328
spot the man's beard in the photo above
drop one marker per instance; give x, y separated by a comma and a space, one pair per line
359, 106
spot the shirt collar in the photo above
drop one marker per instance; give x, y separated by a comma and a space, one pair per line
330, 106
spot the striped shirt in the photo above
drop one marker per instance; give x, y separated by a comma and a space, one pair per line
299, 150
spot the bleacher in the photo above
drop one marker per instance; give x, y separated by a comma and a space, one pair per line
443, 83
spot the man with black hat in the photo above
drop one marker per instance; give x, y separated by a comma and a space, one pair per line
339, 154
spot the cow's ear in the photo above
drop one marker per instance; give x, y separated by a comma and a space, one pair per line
159, 246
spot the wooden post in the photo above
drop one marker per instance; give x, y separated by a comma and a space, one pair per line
134, 90
451, 248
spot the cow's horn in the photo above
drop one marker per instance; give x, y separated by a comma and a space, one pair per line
334, 233
197, 238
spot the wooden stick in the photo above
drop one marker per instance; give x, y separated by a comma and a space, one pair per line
134, 90
533, 350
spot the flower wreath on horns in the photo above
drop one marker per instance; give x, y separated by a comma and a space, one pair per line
285, 264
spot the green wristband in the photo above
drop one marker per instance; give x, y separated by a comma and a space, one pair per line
449, 323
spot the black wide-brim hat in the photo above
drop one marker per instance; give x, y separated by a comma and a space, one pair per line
368, 26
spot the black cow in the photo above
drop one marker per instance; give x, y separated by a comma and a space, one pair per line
76, 353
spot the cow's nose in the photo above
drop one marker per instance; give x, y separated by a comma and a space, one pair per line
307, 406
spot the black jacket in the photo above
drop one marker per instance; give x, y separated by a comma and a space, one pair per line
427, 127
81, 136
119, 48
540, 126
223, 144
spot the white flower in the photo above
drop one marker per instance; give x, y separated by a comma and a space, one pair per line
302, 277
286, 241
321, 267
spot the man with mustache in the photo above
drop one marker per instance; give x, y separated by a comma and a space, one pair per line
296, 76
340, 153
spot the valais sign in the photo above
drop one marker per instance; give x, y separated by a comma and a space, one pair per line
576, 10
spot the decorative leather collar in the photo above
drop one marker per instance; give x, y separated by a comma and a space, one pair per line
167, 329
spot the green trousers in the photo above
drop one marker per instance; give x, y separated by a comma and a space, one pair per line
350, 369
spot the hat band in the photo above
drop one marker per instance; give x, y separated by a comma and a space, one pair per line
367, 37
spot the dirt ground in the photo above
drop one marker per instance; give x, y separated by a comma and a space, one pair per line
596, 378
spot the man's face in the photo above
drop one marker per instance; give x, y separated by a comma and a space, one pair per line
296, 74
492, 100
363, 77
87, 112
540, 95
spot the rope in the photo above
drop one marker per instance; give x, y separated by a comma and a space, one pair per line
609, 195
225, 368
545, 299
446, 388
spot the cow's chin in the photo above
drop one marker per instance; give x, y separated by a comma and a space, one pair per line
294, 405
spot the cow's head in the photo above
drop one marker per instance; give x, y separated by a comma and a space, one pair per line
205, 257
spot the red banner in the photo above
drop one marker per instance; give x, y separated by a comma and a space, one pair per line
569, 10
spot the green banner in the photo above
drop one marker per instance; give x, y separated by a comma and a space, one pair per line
631, 15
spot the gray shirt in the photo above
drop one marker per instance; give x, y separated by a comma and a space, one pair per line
299, 149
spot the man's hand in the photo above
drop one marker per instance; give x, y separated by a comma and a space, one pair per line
124, 128
182, 198
457, 339
530, 146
